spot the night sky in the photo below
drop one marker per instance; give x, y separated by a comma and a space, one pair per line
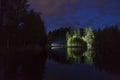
77, 13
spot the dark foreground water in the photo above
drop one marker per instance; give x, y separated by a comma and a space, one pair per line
59, 64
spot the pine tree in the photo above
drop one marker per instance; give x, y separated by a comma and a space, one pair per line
88, 37
78, 32
67, 36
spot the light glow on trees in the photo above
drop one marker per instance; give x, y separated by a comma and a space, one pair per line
77, 39
88, 37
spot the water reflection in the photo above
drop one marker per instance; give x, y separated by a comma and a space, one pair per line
22, 65
59, 64
58, 55
77, 64
89, 56
72, 55
108, 60
103, 59
79, 55
75, 54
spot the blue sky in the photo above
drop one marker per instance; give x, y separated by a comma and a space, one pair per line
77, 13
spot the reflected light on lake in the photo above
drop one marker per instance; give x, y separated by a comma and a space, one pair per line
79, 55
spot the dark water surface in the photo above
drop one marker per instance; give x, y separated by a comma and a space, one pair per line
59, 64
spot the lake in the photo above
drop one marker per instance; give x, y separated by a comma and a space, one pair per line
59, 64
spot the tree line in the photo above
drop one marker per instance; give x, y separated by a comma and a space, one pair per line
107, 38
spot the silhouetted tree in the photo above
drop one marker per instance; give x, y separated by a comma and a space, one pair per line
20, 26
34, 31
58, 35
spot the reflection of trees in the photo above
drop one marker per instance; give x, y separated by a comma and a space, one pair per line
22, 65
58, 56
89, 55
74, 54
80, 55
108, 62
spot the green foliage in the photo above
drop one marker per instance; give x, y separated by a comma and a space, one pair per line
78, 33
76, 39
68, 35
88, 37
75, 33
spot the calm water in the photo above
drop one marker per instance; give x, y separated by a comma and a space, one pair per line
59, 64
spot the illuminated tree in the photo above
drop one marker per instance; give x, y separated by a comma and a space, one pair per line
68, 35
75, 33
88, 37
78, 32
75, 38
